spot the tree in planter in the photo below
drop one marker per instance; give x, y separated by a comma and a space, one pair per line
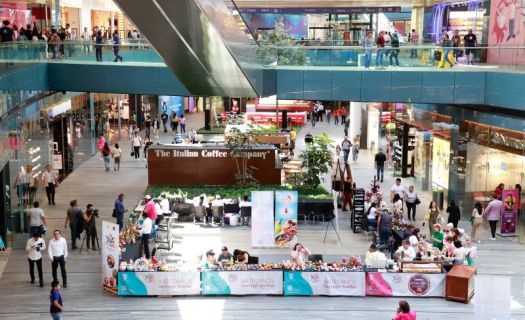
317, 159
277, 44
238, 143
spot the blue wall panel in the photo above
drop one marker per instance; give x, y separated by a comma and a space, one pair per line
438, 87
375, 86
469, 87
505, 90
290, 84
317, 85
406, 86
346, 86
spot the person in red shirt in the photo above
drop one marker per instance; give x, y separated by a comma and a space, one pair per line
499, 190
335, 113
380, 41
342, 112
404, 312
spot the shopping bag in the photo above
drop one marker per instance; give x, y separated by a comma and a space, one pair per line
132, 153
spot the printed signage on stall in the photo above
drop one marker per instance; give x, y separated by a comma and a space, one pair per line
262, 219
286, 207
110, 255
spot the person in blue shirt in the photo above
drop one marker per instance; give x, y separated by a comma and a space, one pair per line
99, 40
116, 46
120, 210
55, 299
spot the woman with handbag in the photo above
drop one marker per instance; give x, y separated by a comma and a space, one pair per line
433, 216
411, 200
477, 222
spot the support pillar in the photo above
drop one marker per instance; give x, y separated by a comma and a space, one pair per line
207, 114
92, 122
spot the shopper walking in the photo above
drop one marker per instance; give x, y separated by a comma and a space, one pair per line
145, 233
411, 200
477, 222
50, 183
182, 122
342, 113
433, 216
86, 38
355, 152
453, 214
346, 145
493, 214
57, 250
368, 45
120, 210
380, 42
99, 40
116, 46
380, 159
336, 116
37, 220
55, 299
414, 41
136, 143
73, 218
394, 53
147, 125
174, 122
471, 42
116, 153
106, 155
328, 115
34, 248
446, 45
156, 127
456, 42
164, 117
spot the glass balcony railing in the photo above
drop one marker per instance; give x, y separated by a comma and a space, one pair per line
271, 57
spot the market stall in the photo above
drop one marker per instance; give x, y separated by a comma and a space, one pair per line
153, 283
298, 283
227, 283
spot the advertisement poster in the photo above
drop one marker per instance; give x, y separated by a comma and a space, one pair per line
440, 162
159, 283
286, 207
509, 216
170, 104
242, 282
324, 283
405, 284
506, 32
262, 219
110, 255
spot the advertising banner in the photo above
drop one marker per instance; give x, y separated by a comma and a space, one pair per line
242, 282
440, 162
509, 216
159, 283
286, 207
110, 255
405, 284
324, 283
262, 219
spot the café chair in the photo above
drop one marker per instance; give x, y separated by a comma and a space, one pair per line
200, 214
217, 212
246, 216
367, 230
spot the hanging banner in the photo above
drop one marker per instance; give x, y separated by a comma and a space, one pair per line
262, 219
324, 283
509, 216
405, 284
242, 282
110, 255
286, 207
159, 283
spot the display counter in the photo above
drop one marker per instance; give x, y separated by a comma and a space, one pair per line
159, 283
405, 284
298, 283
242, 282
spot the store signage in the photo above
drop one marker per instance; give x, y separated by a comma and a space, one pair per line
512, 143
209, 154
262, 219
110, 255
352, 10
324, 283
286, 207
57, 162
509, 216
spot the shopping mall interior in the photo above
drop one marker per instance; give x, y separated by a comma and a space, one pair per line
342, 158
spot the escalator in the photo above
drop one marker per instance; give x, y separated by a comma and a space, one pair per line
203, 43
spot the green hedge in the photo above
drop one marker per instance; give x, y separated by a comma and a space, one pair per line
233, 192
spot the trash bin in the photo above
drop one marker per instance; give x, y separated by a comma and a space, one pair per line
15, 221
439, 197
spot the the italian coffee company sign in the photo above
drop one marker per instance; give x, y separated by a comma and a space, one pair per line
210, 153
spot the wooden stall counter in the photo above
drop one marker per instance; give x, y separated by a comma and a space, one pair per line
460, 283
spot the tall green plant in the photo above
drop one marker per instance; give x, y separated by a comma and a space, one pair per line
278, 46
238, 142
317, 159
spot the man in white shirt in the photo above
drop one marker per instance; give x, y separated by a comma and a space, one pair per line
57, 250
86, 37
145, 232
218, 202
34, 246
50, 183
165, 205
158, 211
36, 219
398, 188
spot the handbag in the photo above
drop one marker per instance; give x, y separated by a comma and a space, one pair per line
114, 215
417, 201
132, 153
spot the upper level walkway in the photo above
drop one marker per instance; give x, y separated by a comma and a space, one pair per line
300, 72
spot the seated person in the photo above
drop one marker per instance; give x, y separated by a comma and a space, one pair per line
373, 255
409, 231
437, 235
218, 202
464, 238
299, 255
241, 256
372, 216
208, 260
448, 247
225, 257
414, 239
405, 252
459, 253
245, 202
308, 138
